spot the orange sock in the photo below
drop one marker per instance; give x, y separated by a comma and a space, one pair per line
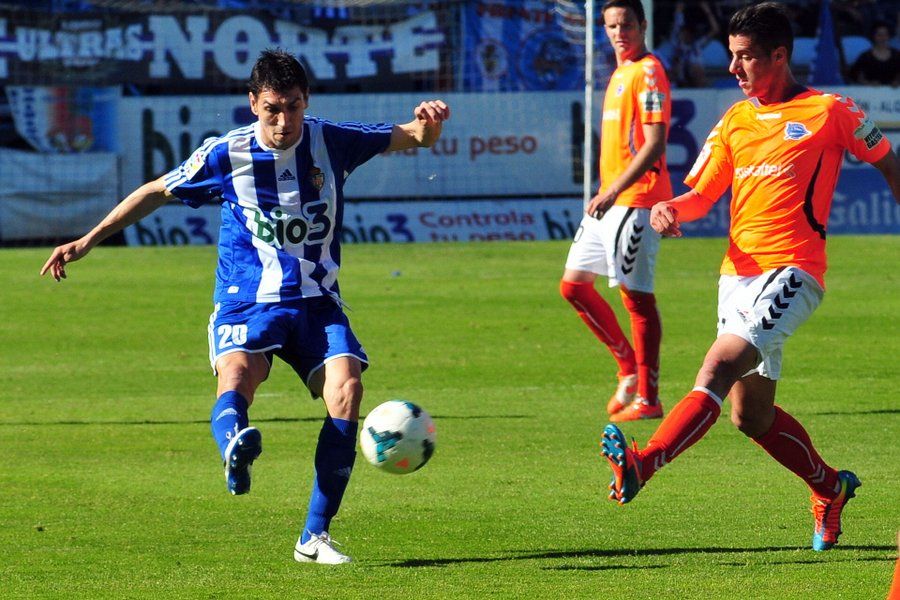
789, 444
683, 427
646, 333
598, 315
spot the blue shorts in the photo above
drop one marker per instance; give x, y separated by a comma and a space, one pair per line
304, 333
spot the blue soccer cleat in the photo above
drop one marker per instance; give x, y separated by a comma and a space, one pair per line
626, 466
242, 450
828, 512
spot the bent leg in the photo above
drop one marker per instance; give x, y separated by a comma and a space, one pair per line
755, 413
239, 374
729, 357
339, 384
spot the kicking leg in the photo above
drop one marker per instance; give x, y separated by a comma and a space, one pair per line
729, 357
239, 374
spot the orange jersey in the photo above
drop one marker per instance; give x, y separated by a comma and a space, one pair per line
638, 93
782, 161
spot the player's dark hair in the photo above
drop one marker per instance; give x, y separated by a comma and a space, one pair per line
634, 5
278, 71
767, 24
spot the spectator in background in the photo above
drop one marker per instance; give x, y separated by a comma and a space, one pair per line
895, 41
688, 42
880, 65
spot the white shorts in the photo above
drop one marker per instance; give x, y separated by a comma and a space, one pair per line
766, 309
622, 246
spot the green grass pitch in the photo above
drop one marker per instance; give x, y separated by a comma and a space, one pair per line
111, 486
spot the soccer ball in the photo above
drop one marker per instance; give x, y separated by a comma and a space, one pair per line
398, 437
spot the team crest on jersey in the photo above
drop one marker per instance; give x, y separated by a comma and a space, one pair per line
317, 178
795, 131
620, 89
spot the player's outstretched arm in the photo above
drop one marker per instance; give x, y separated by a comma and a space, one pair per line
889, 165
424, 130
140, 203
666, 217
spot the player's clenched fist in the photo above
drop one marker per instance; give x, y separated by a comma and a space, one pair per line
432, 111
664, 220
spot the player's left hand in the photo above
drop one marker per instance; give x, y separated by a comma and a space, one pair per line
601, 203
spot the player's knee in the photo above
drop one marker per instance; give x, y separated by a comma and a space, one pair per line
240, 377
570, 290
750, 423
345, 397
718, 374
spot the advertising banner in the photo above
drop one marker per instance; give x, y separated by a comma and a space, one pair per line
54, 195
211, 49
382, 222
525, 149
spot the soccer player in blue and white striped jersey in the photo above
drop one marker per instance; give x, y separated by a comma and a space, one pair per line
280, 184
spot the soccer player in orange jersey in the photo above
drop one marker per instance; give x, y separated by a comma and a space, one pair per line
780, 150
615, 238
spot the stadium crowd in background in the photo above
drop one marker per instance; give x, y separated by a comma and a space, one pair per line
695, 37
772, 278
879, 65
688, 41
614, 239
280, 183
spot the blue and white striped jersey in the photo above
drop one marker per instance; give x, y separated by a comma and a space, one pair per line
282, 210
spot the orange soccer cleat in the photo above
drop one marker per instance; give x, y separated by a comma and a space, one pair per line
828, 512
625, 463
637, 410
624, 396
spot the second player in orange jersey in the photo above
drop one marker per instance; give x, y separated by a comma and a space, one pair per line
615, 239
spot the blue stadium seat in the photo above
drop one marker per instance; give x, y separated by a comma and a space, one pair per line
854, 45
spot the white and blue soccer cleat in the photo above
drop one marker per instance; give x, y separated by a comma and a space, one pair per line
242, 450
320, 549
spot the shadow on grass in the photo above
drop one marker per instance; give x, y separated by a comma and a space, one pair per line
812, 561
206, 421
877, 411
625, 553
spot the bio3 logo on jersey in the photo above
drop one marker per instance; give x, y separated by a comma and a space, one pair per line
284, 229
765, 170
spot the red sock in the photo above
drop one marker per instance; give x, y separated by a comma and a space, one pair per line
789, 444
683, 427
598, 315
646, 333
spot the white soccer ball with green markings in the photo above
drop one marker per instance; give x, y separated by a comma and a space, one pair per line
398, 437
